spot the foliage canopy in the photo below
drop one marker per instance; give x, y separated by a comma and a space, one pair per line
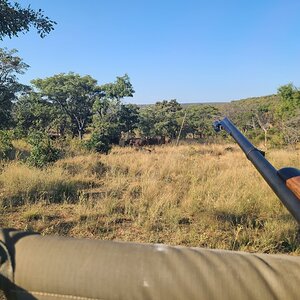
15, 19
73, 94
10, 66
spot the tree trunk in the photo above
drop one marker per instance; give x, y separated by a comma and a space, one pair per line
179, 134
80, 134
265, 132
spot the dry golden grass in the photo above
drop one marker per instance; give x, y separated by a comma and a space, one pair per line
21, 185
195, 195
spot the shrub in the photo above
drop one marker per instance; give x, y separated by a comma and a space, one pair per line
6, 146
99, 143
43, 152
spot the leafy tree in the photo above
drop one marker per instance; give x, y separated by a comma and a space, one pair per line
160, 119
167, 113
111, 117
34, 113
199, 120
106, 118
5, 109
128, 117
15, 19
171, 106
73, 94
147, 121
119, 89
106, 110
290, 101
6, 145
288, 113
31, 113
10, 66
105, 123
286, 92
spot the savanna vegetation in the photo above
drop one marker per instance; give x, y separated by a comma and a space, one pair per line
62, 171
70, 106
193, 195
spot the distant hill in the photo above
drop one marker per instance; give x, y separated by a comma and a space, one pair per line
244, 102
202, 103
251, 100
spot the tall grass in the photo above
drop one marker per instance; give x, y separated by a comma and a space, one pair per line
195, 195
22, 185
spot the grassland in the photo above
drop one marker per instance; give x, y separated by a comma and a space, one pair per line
193, 195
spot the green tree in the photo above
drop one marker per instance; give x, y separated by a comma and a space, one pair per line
16, 19
288, 113
6, 146
106, 118
147, 121
119, 89
34, 113
199, 120
10, 66
111, 117
73, 94
128, 117
31, 112
289, 101
160, 119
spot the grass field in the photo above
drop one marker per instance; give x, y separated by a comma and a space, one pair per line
193, 195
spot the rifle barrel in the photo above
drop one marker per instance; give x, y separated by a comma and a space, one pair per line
268, 172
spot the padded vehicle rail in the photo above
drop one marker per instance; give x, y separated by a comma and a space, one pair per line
52, 267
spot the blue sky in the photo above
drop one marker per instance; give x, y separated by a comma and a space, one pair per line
194, 51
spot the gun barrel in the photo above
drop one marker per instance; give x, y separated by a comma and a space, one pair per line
264, 167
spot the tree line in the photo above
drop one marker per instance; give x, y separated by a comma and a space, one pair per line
70, 104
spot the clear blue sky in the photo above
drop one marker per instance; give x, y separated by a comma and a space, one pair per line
194, 51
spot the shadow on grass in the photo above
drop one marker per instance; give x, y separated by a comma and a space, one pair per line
249, 221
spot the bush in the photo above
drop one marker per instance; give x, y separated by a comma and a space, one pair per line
43, 152
6, 146
99, 143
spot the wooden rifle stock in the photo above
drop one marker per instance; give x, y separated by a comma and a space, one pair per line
291, 177
294, 185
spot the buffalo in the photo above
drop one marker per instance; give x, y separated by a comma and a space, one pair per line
138, 142
144, 141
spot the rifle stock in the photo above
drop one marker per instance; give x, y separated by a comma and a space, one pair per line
294, 185
284, 182
291, 177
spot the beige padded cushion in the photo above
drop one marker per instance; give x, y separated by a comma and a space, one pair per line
55, 267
